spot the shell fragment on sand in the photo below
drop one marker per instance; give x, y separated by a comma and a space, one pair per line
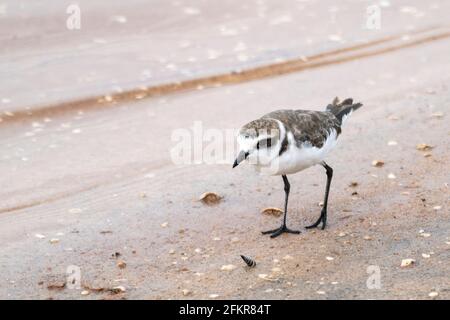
276, 212
424, 147
407, 262
210, 198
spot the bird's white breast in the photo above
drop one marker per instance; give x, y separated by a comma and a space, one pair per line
297, 158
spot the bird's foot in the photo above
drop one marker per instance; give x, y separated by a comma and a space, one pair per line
322, 219
283, 229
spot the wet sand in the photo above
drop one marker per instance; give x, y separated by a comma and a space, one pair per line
83, 185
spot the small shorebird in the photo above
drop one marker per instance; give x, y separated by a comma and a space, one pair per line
288, 141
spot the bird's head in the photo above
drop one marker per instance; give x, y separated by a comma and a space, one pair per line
259, 142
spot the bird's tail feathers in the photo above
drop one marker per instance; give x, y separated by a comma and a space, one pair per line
342, 110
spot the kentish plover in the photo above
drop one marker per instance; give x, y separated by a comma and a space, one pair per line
287, 141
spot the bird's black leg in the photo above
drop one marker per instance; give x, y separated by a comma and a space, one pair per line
276, 232
323, 213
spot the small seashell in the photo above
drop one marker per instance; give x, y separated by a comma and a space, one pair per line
276, 212
367, 238
228, 267
213, 295
39, 236
164, 225
433, 294
425, 255
250, 262
321, 292
54, 240
329, 258
210, 198
424, 147
85, 292
198, 250
391, 176
407, 263
121, 264
377, 163
437, 208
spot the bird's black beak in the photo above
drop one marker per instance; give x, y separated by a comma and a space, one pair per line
241, 157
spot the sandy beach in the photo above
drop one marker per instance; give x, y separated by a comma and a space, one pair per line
90, 183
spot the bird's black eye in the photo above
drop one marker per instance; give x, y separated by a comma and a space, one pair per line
257, 145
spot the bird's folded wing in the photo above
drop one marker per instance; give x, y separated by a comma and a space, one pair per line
307, 127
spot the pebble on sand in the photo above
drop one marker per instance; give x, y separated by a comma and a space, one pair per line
228, 267
213, 295
321, 292
392, 143
391, 176
121, 264
54, 240
433, 294
377, 163
85, 292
